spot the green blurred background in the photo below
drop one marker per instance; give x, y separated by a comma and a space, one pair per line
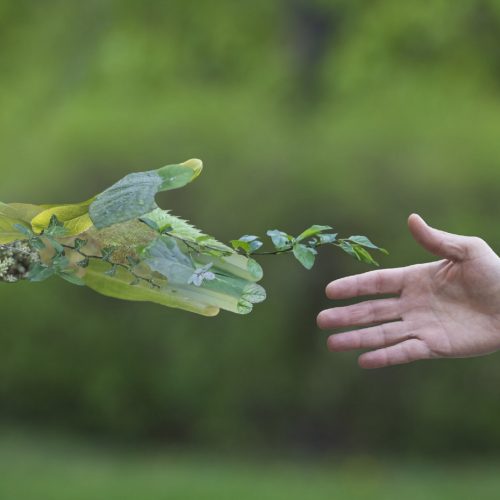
347, 113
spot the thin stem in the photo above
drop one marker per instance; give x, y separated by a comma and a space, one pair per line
290, 249
195, 247
275, 252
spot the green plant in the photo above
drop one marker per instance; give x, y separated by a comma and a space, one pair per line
121, 244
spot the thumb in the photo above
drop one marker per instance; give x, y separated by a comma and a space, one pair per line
446, 245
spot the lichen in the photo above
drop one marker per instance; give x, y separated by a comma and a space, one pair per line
16, 260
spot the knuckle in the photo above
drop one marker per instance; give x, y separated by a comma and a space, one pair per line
378, 282
384, 331
477, 242
362, 312
470, 241
476, 246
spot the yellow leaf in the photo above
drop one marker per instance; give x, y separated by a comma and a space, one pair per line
74, 217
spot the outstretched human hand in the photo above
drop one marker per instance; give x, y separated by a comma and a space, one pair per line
449, 308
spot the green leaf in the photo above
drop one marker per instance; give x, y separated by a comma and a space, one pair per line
202, 239
55, 228
215, 253
177, 176
71, 278
252, 294
59, 249
40, 272
312, 231
280, 239
79, 243
255, 245
255, 270
37, 243
247, 243
234, 265
364, 256
111, 271
151, 223
26, 231
305, 255
60, 262
243, 245
180, 228
348, 248
134, 195
107, 253
165, 257
248, 238
325, 239
365, 242
84, 263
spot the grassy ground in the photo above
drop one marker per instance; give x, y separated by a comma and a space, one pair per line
47, 469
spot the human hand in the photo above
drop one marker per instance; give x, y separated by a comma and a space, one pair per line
449, 308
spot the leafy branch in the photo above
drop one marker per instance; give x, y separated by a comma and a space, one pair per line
304, 246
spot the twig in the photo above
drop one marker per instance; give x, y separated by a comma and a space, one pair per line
117, 264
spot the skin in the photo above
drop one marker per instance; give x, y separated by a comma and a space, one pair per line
444, 309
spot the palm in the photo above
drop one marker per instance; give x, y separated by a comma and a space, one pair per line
447, 301
447, 308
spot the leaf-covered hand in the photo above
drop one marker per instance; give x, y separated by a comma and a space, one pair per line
121, 244
449, 308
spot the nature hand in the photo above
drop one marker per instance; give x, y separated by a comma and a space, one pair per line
449, 308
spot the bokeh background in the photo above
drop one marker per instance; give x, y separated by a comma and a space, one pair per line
347, 113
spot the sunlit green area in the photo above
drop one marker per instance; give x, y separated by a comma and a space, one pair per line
345, 113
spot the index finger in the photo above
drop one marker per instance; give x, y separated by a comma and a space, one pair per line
370, 283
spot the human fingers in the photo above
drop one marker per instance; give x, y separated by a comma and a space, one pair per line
370, 283
370, 338
404, 352
446, 245
364, 313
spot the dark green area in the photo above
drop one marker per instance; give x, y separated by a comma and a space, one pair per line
345, 113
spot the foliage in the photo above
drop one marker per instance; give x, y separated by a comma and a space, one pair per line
121, 244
